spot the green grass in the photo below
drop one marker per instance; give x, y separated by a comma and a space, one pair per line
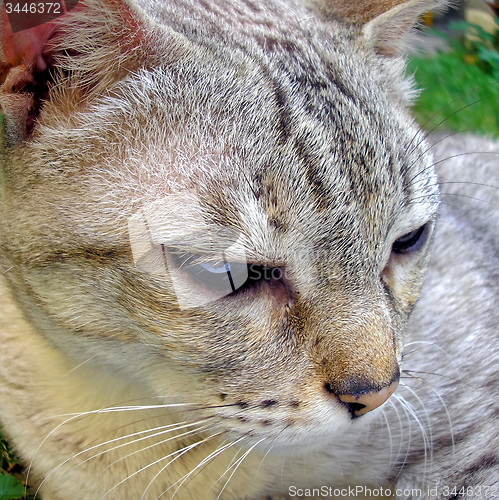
455, 95
11, 473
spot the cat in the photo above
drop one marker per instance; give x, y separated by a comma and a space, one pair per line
215, 222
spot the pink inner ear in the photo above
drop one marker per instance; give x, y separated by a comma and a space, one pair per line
25, 47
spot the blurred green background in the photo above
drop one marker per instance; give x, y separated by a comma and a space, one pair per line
455, 62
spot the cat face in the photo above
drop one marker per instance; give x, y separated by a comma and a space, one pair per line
247, 225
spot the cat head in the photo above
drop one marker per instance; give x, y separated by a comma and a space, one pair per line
233, 206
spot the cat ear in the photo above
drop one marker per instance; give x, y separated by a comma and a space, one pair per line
384, 23
387, 31
20, 60
94, 39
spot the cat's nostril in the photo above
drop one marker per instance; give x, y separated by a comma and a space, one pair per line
329, 389
360, 403
355, 409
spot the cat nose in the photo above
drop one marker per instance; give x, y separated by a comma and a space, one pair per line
360, 404
361, 401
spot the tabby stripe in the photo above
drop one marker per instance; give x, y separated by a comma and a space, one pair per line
101, 256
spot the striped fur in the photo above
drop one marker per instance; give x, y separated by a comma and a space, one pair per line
268, 125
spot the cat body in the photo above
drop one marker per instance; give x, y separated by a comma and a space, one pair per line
168, 136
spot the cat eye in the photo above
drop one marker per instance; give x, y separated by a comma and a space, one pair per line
217, 274
412, 241
222, 275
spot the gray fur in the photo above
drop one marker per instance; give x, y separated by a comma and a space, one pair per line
288, 132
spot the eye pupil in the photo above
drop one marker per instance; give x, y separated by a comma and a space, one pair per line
411, 241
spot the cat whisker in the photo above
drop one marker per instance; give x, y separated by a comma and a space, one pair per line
450, 360
428, 421
401, 432
183, 478
456, 112
305, 19
112, 409
199, 468
443, 183
414, 414
162, 430
179, 453
436, 113
410, 372
424, 343
390, 436
404, 355
441, 110
233, 459
271, 444
78, 366
72, 417
236, 466
157, 443
248, 183
424, 381
432, 146
168, 428
75, 416
402, 462
442, 160
223, 447
459, 195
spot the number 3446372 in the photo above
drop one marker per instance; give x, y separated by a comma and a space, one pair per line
34, 8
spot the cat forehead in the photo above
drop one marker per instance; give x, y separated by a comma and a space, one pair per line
267, 158
268, 212
236, 110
